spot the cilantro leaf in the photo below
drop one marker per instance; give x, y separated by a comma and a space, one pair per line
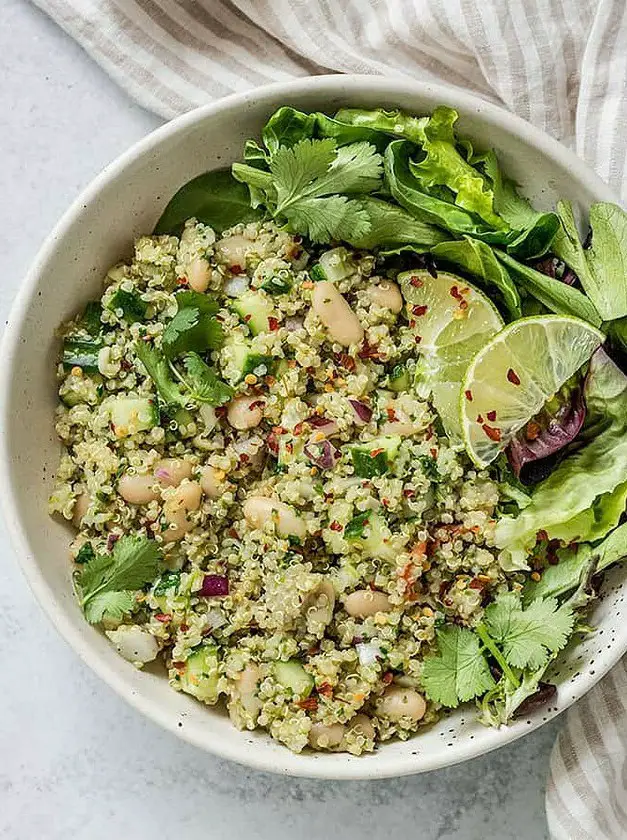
333, 217
114, 605
527, 637
188, 298
191, 329
108, 581
158, 370
459, 672
204, 386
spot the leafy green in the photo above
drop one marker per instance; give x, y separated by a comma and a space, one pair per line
191, 330
108, 581
158, 370
478, 259
527, 636
91, 318
286, 127
85, 553
130, 303
394, 123
202, 382
459, 671
355, 528
169, 581
189, 299
391, 225
594, 472
556, 296
214, 198
602, 268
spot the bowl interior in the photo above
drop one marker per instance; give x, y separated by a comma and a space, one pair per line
124, 202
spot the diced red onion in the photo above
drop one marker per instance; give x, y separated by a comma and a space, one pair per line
362, 412
322, 453
236, 285
161, 472
214, 586
294, 322
322, 424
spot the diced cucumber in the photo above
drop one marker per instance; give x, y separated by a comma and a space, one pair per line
168, 583
278, 284
90, 320
291, 674
246, 361
82, 353
370, 532
85, 554
335, 265
398, 378
201, 674
133, 414
255, 308
376, 456
130, 303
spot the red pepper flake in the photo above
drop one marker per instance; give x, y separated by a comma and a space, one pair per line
233, 534
387, 677
335, 526
256, 404
416, 282
326, 689
468, 395
310, 704
163, 617
479, 418
184, 628
513, 377
244, 458
273, 323
418, 339
429, 432
463, 304
419, 310
182, 281
272, 442
434, 453
375, 452
180, 666
385, 502
368, 351
491, 415
221, 411
391, 414
236, 269
475, 583
492, 432
347, 362
412, 324
532, 431
289, 447
298, 429
455, 293
247, 318
279, 430
542, 536
409, 494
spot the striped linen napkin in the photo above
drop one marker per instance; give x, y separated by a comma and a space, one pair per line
561, 64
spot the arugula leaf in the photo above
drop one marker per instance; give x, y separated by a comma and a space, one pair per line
214, 198
191, 330
108, 581
158, 370
202, 382
602, 268
459, 672
527, 636
479, 261
555, 295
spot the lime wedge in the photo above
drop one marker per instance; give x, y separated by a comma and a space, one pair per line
451, 320
515, 374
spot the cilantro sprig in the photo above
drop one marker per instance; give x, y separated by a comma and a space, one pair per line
108, 582
519, 641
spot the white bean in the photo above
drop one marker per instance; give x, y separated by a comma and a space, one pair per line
233, 250
80, 509
138, 489
336, 315
212, 481
260, 509
246, 689
245, 412
134, 644
386, 295
171, 471
324, 736
198, 275
397, 427
184, 500
398, 702
318, 607
362, 725
366, 602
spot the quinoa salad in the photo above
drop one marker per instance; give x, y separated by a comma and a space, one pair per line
318, 456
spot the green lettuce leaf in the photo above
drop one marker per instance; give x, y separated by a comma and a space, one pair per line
590, 479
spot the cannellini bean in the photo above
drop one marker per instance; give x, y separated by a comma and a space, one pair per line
171, 471
366, 602
324, 736
199, 274
396, 427
233, 250
185, 500
80, 509
387, 295
245, 412
246, 689
134, 644
318, 606
398, 702
336, 315
212, 481
138, 489
260, 509
362, 725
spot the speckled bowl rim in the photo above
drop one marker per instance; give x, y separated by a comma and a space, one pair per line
246, 754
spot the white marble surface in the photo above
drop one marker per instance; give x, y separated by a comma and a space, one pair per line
75, 761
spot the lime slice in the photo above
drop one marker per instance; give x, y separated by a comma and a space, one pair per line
451, 320
515, 374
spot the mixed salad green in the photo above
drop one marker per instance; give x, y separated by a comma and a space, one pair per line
520, 338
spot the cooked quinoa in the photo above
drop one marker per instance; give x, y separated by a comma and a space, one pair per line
309, 615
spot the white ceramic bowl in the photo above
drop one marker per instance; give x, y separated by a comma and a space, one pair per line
123, 202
